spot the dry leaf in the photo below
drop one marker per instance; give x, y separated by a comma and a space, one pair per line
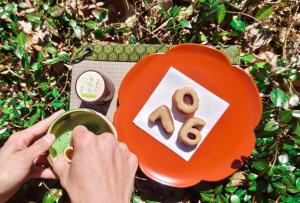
237, 179
257, 37
165, 4
269, 57
26, 27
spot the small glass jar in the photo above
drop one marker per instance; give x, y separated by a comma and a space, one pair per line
93, 87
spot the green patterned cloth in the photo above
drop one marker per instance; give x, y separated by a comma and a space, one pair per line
134, 52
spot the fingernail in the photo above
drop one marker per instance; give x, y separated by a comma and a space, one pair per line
49, 138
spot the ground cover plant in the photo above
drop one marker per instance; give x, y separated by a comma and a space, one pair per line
37, 39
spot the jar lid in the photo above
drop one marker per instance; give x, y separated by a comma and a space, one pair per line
90, 86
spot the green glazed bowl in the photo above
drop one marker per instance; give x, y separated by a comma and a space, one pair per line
62, 128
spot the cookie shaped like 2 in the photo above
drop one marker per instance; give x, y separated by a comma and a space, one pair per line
189, 133
163, 114
179, 99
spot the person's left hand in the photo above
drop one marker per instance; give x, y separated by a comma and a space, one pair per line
22, 157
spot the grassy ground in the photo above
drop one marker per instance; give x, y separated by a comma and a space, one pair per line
36, 43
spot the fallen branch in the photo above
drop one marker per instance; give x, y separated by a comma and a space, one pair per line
287, 34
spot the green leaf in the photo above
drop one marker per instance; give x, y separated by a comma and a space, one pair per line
264, 12
26, 61
185, 23
64, 56
170, 23
44, 86
102, 16
91, 25
221, 199
136, 199
33, 118
221, 13
240, 192
206, 197
252, 186
52, 61
260, 165
57, 103
252, 176
21, 39
51, 49
296, 113
238, 24
185, 12
72, 23
57, 11
297, 130
278, 185
298, 184
293, 74
271, 126
235, 199
282, 62
219, 189
4, 133
19, 52
77, 32
248, 58
278, 97
285, 116
52, 196
55, 92
202, 37
175, 11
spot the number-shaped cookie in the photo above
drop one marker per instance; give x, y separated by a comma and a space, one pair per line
179, 99
163, 114
189, 133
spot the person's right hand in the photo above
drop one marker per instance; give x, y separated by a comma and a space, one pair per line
101, 170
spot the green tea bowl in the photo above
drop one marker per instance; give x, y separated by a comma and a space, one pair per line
63, 126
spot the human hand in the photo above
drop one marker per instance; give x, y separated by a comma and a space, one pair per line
21, 155
101, 170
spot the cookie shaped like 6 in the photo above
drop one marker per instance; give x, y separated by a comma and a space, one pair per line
189, 134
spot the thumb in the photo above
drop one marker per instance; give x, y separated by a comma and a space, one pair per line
39, 147
61, 168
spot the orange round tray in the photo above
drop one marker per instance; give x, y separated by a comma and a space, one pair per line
229, 142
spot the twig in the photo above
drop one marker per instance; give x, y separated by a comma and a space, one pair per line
232, 5
275, 157
15, 126
150, 32
287, 34
160, 27
245, 14
277, 200
139, 178
63, 90
293, 88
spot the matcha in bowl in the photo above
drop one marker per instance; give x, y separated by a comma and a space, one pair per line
63, 126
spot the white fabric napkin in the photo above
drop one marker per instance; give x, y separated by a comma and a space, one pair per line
211, 109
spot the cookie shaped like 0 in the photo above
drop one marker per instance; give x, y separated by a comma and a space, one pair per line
179, 99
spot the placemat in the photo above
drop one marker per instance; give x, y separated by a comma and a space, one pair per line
114, 61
